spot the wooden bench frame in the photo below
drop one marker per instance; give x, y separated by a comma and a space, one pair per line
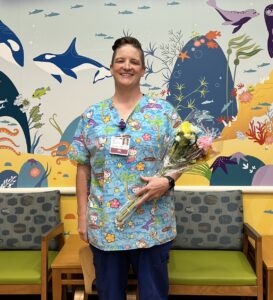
254, 257
41, 288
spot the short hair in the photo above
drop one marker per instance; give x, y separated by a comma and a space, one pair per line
128, 40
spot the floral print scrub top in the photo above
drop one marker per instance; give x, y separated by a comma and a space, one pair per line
115, 178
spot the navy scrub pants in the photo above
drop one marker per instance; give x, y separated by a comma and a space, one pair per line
149, 266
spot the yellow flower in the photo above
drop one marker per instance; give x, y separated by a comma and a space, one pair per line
185, 127
138, 140
189, 136
140, 166
110, 238
119, 165
116, 190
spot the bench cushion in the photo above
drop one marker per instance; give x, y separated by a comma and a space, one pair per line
25, 217
22, 267
209, 220
210, 267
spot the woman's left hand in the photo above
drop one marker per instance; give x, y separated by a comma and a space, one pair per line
155, 188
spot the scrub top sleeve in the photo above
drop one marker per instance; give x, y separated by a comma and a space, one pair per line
78, 150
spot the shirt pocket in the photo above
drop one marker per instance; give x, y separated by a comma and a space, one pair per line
94, 214
97, 144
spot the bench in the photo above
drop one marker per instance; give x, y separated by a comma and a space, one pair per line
30, 236
211, 254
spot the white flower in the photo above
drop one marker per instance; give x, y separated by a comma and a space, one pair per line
178, 138
195, 129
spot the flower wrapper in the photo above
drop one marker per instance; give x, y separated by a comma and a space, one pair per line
192, 145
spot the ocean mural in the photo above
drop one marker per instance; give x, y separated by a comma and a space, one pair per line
212, 59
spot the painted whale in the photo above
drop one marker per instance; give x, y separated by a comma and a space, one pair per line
69, 63
11, 48
8, 94
235, 18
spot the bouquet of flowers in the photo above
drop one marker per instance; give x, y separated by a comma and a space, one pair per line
191, 145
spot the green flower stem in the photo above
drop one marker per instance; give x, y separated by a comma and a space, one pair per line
126, 211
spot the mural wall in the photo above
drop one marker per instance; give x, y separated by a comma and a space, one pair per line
212, 59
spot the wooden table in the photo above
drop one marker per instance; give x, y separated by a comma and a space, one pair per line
66, 267
267, 244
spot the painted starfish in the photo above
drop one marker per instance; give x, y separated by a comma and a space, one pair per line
238, 156
221, 162
183, 55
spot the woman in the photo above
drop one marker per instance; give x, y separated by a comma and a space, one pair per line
118, 146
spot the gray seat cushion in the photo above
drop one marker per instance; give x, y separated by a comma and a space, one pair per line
209, 220
24, 217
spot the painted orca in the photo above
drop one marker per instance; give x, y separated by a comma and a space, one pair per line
8, 95
11, 48
235, 18
69, 63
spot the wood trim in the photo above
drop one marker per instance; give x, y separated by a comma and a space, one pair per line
71, 190
16, 289
211, 290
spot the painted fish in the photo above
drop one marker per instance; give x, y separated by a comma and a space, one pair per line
76, 6
110, 4
207, 102
250, 71
226, 106
35, 11
144, 7
52, 14
173, 3
125, 12
263, 65
38, 93
155, 88
101, 34
264, 104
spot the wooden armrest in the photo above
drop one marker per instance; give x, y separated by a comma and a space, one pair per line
86, 259
57, 230
250, 232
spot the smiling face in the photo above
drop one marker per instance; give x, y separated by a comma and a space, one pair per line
127, 67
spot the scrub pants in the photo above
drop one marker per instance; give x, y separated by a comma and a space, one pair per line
148, 264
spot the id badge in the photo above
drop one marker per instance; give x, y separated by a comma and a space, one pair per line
120, 145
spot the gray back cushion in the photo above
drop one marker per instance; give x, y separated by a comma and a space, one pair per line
24, 217
209, 220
